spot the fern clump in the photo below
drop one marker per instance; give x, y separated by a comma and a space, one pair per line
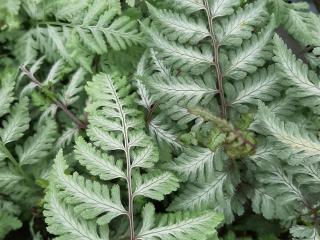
24, 154
121, 157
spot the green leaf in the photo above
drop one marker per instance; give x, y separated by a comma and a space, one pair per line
16, 123
178, 226
155, 185
233, 30
89, 198
6, 93
180, 27
38, 146
97, 163
63, 221
220, 8
298, 75
252, 54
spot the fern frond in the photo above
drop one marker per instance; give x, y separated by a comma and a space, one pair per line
233, 30
66, 137
75, 86
61, 220
186, 58
264, 204
164, 132
202, 196
90, 198
107, 92
263, 85
184, 91
180, 27
194, 163
300, 144
155, 185
297, 74
304, 233
9, 213
97, 163
177, 225
16, 123
251, 55
39, 145
9, 180
221, 8
281, 186
190, 6
6, 94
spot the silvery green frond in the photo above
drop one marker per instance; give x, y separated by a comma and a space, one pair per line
301, 145
8, 218
146, 100
263, 203
252, 54
297, 74
178, 226
9, 179
159, 66
182, 91
98, 163
189, 6
186, 58
300, 232
74, 87
90, 199
145, 157
283, 107
26, 48
6, 93
178, 27
239, 26
62, 221
54, 75
280, 186
221, 8
66, 137
265, 152
206, 195
116, 125
16, 123
38, 146
308, 176
262, 85
180, 115
164, 131
155, 185
194, 163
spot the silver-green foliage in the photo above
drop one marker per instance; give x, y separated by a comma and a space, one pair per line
211, 54
119, 150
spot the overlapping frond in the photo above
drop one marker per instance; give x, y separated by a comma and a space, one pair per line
38, 146
61, 220
155, 185
194, 163
251, 55
202, 196
263, 85
90, 198
184, 91
16, 123
297, 74
177, 225
297, 143
233, 30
